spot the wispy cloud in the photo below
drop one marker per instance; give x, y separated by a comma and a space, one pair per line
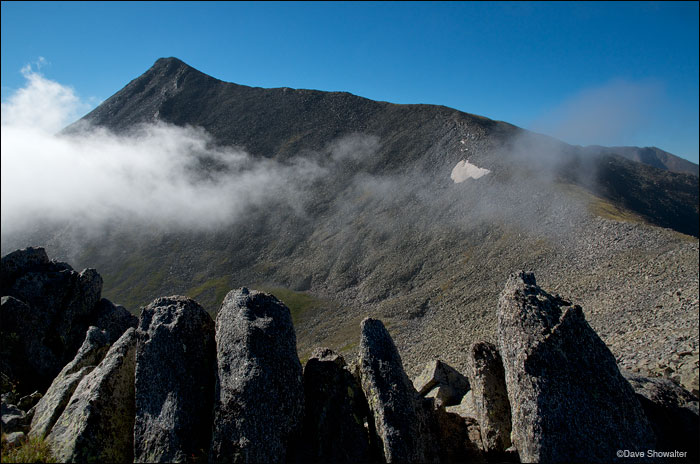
604, 115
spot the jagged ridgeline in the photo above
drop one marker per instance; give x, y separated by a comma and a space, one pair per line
177, 386
344, 207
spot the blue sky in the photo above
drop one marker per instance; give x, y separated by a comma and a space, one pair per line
589, 73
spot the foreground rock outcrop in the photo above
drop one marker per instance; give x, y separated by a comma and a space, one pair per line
259, 399
174, 381
490, 397
98, 422
46, 309
335, 412
569, 401
50, 407
399, 415
180, 387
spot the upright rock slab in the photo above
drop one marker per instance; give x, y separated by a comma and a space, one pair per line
397, 408
52, 404
569, 401
174, 384
490, 396
259, 401
335, 411
98, 423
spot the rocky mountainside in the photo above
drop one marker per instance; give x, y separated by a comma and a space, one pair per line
181, 387
394, 224
282, 123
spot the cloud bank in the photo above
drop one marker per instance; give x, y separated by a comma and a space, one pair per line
162, 178
159, 176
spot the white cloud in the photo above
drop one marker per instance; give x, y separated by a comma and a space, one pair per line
42, 104
152, 176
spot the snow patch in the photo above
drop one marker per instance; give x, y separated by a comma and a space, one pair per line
465, 170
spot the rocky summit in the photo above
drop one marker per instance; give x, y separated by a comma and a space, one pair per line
181, 387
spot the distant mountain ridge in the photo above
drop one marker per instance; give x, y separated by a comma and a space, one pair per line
652, 156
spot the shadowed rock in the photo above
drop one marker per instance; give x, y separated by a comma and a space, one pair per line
174, 383
569, 401
466, 408
113, 318
50, 407
490, 396
259, 401
46, 330
25, 358
335, 411
399, 417
459, 438
443, 382
672, 412
29, 401
98, 422
19, 262
12, 418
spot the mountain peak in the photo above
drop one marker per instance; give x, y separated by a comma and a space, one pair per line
167, 68
146, 98
167, 60
169, 63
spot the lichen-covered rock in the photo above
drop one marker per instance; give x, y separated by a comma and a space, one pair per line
52, 404
672, 412
174, 384
259, 401
97, 424
335, 411
442, 382
569, 401
490, 396
397, 408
